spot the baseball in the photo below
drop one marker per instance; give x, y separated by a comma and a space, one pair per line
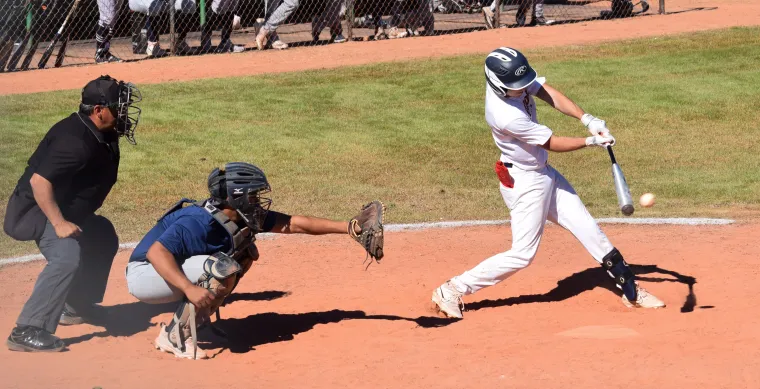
646, 200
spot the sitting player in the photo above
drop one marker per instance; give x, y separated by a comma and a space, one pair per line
197, 254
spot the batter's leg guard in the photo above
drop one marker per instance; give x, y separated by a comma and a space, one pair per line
616, 267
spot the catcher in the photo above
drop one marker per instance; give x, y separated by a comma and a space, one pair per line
196, 254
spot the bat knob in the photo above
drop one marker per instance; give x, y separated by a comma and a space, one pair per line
627, 210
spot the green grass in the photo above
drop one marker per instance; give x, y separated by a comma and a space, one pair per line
685, 111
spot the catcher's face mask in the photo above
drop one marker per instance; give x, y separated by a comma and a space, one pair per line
252, 208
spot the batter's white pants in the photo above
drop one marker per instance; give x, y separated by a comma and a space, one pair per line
149, 287
537, 196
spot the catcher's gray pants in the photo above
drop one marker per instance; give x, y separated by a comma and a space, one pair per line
145, 284
76, 272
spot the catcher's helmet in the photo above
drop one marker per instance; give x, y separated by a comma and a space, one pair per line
239, 185
506, 69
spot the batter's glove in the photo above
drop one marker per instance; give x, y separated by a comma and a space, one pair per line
370, 220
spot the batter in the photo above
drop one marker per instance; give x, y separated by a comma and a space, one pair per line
532, 189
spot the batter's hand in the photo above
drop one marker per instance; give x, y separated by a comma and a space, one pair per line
596, 126
200, 297
600, 141
66, 229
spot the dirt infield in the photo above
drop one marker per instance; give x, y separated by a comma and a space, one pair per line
309, 316
717, 14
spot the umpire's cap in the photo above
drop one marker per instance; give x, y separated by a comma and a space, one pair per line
103, 90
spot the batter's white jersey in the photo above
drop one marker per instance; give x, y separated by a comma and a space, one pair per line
539, 192
515, 127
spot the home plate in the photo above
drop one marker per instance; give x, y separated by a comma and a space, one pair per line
600, 332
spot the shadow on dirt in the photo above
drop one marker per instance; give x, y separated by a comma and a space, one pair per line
246, 333
132, 318
592, 278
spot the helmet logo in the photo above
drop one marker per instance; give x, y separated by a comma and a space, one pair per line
237, 191
521, 70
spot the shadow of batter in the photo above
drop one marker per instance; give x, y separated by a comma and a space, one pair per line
592, 278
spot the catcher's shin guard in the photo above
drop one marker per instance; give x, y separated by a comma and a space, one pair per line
616, 267
219, 276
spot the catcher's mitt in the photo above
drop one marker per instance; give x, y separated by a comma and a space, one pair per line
370, 219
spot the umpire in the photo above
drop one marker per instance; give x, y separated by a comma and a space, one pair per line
67, 179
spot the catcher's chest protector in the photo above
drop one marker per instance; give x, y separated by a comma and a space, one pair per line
240, 238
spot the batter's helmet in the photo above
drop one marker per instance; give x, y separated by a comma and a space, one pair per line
240, 186
506, 69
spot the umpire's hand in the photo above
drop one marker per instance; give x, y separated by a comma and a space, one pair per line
66, 229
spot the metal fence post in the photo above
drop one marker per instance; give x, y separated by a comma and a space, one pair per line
350, 19
172, 41
662, 7
497, 14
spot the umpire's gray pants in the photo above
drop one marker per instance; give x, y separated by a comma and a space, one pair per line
76, 272
145, 284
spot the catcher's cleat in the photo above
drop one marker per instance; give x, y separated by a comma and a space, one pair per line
449, 300
164, 343
643, 300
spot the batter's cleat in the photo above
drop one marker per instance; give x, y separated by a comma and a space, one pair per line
33, 339
643, 300
165, 344
449, 300
488, 16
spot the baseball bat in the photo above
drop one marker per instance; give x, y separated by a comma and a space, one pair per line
19, 50
7, 42
49, 51
6, 47
621, 186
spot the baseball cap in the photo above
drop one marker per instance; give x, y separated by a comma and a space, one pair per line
103, 90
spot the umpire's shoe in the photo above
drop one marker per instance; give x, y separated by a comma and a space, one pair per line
69, 317
33, 339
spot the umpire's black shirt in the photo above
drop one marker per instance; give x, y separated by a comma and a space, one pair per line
81, 162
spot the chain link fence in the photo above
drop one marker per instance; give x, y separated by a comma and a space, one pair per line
37, 34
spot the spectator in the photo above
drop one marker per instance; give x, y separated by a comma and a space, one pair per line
108, 12
267, 36
183, 21
334, 11
537, 19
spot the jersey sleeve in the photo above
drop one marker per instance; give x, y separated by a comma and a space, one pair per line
65, 157
270, 220
536, 85
184, 238
528, 131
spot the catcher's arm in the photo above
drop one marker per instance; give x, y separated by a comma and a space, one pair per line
298, 224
